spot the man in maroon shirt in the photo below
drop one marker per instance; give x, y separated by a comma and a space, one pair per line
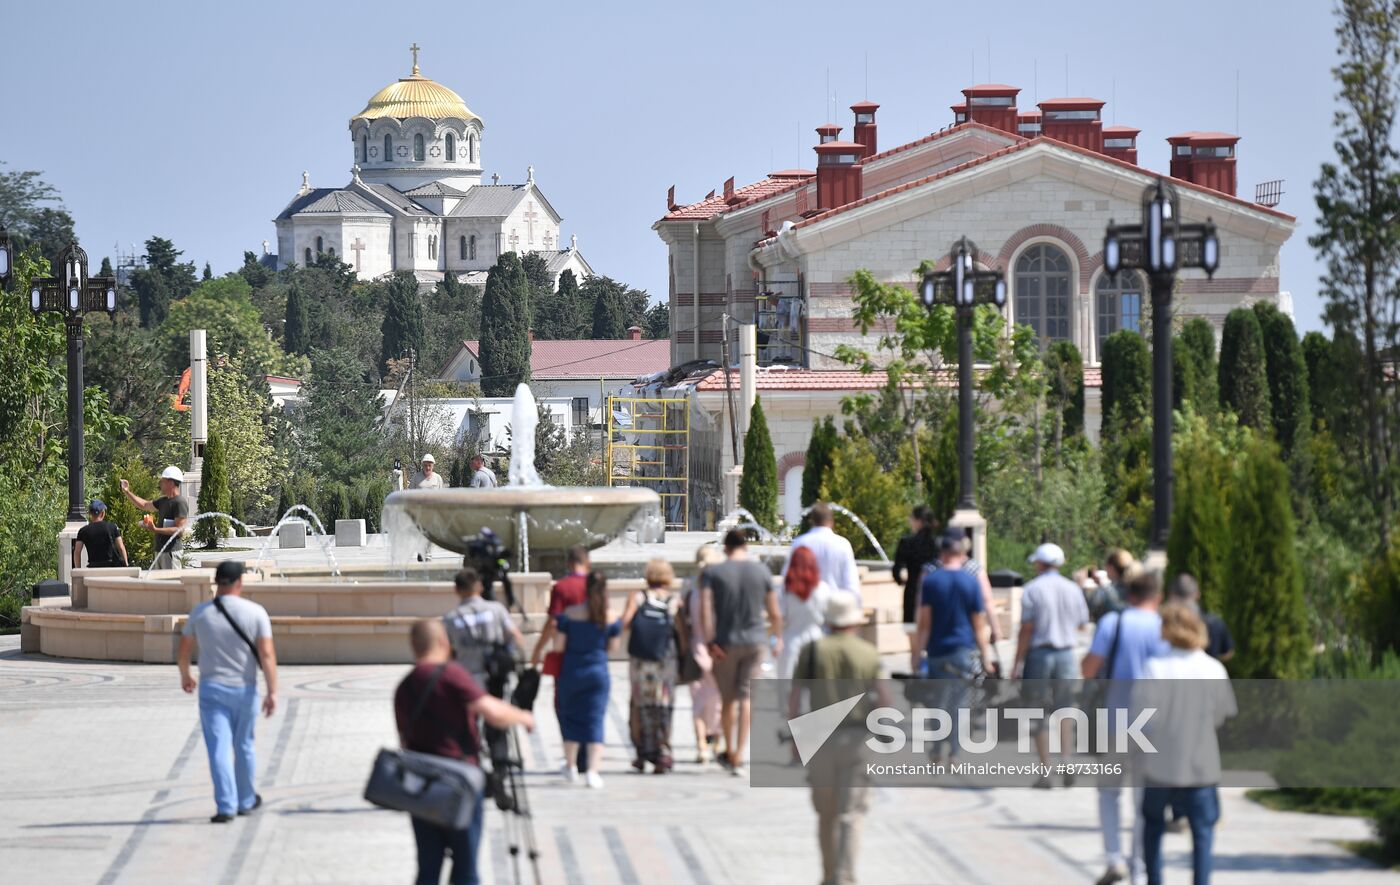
447, 727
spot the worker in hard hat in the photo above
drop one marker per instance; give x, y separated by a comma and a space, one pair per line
171, 511
429, 478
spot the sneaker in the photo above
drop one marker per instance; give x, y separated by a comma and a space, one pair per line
221, 818
1069, 779
257, 803
640, 765
1042, 783
570, 773
740, 770
1115, 873
594, 780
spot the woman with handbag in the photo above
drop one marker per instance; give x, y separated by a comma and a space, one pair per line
584, 635
696, 666
651, 647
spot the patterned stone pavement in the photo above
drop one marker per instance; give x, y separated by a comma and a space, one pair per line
104, 781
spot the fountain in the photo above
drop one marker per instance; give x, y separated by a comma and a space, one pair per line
526, 514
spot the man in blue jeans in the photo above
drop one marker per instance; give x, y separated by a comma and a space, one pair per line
952, 625
234, 637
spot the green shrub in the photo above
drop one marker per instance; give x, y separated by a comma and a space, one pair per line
140, 543
213, 494
824, 439
758, 487
1244, 383
1379, 602
1388, 826
874, 492
1127, 383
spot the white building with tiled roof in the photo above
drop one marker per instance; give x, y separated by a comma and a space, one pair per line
416, 201
1034, 191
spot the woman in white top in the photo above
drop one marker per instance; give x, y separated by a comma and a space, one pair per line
803, 606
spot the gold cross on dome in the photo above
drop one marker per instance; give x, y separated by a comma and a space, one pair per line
414, 49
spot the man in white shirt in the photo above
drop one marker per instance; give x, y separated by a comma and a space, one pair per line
836, 561
481, 477
429, 478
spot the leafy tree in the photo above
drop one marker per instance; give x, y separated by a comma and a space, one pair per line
296, 333
33, 402
1064, 372
1263, 602
858, 481
1194, 371
127, 465
1244, 384
1200, 539
240, 414
342, 416
334, 505
820, 445
214, 494
505, 343
30, 507
32, 211
758, 487
1127, 383
560, 316
223, 307
1068, 504
611, 315
255, 273
1358, 199
455, 309
658, 324
1287, 373
286, 500
1380, 600
164, 280
402, 329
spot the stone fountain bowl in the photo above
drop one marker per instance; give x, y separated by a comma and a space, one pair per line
558, 517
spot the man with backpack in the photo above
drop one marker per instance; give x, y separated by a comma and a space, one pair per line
234, 637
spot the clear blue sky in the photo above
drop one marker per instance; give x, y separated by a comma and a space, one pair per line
194, 121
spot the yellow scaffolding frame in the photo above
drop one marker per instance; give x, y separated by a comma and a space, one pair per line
659, 458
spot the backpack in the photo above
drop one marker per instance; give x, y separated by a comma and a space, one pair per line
652, 631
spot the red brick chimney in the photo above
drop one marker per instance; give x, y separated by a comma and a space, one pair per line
1205, 158
865, 126
992, 104
1120, 142
838, 174
1074, 121
634, 333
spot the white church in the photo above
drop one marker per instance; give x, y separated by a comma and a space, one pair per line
416, 201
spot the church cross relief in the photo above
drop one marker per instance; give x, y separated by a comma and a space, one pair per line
530, 216
514, 240
359, 247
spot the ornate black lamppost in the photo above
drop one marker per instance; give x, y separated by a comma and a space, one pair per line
73, 293
1160, 245
963, 287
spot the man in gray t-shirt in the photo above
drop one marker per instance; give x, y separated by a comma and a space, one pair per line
234, 637
736, 594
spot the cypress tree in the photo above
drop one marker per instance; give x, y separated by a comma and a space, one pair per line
1263, 603
570, 324
1199, 544
402, 329
1244, 387
505, 332
611, 315
208, 272
1194, 369
335, 504
106, 270
818, 461
1064, 374
1127, 382
758, 487
213, 493
1287, 373
296, 334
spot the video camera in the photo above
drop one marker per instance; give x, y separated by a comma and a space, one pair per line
491, 559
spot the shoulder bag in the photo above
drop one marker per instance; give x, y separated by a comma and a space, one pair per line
219, 604
435, 789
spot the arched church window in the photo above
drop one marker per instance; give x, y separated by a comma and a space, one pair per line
364, 148
1042, 292
308, 255
418, 147
318, 246
472, 243
388, 147
462, 249
1119, 298
451, 148
471, 149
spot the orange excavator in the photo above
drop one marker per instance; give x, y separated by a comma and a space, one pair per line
179, 400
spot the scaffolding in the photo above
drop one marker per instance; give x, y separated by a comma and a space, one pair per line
649, 446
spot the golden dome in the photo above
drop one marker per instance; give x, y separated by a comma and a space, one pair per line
416, 96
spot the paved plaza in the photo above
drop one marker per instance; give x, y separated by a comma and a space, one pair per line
105, 782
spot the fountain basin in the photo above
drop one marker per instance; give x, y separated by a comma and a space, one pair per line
556, 517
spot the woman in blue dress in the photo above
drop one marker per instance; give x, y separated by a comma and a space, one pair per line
584, 634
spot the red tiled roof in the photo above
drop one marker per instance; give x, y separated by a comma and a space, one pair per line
1022, 145
935, 136
594, 358
744, 196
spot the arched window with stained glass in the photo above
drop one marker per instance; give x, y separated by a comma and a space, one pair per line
418, 147
451, 148
1043, 291
1118, 303
388, 147
472, 245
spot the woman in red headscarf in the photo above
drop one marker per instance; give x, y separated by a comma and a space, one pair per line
803, 605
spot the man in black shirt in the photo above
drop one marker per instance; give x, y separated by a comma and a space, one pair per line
101, 539
172, 512
1219, 644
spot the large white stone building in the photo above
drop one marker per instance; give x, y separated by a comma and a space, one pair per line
416, 201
